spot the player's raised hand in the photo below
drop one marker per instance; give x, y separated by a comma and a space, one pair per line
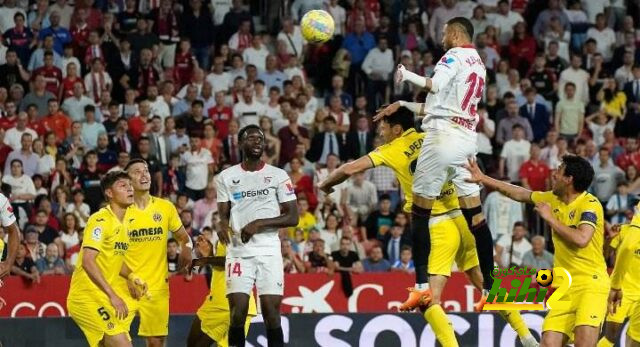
615, 300
476, 174
122, 311
400, 74
386, 111
248, 231
544, 210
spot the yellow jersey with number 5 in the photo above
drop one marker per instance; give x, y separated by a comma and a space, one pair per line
586, 265
401, 155
107, 235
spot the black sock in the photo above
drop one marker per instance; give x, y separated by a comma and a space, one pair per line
236, 336
421, 242
484, 244
275, 337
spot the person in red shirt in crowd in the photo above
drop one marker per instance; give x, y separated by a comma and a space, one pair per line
142, 122
631, 155
52, 75
534, 173
93, 16
94, 50
9, 115
220, 114
66, 88
80, 32
361, 11
522, 49
56, 121
34, 120
4, 149
184, 64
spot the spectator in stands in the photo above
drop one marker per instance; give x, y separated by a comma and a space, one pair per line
405, 263
620, 205
307, 220
538, 257
13, 136
35, 248
19, 39
607, 176
290, 259
378, 66
172, 257
375, 262
24, 265
501, 213
362, 197
79, 208
605, 37
69, 232
51, 263
536, 113
535, 173
345, 259
577, 77
38, 96
302, 183
513, 155
511, 248
327, 142
569, 119
598, 123
507, 124
318, 261
393, 243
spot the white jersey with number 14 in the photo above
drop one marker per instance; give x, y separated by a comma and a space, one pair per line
458, 83
254, 195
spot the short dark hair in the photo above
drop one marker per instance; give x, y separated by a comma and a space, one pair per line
172, 240
90, 108
132, 162
197, 102
385, 197
517, 126
519, 224
402, 117
581, 171
464, 24
111, 178
570, 84
247, 128
48, 54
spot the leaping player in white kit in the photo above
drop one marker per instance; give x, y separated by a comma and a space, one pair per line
450, 123
250, 198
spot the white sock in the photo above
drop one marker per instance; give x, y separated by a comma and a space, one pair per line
422, 286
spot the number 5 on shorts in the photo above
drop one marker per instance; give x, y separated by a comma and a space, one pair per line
236, 269
103, 313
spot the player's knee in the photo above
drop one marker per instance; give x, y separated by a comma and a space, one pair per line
155, 341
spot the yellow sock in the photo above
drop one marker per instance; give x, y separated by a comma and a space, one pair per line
516, 322
441, 326
604, 342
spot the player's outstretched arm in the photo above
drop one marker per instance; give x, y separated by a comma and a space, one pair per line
512, 191
95, 275
579, 237
12, 249
345, 171
224, 212
186, 246
403, 75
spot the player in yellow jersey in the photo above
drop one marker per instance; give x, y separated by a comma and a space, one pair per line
577, 220
451, 239
10, 225
213, 317
151, 220
624, 297
92, 302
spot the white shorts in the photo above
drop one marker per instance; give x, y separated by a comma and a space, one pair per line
442, 158
265, 271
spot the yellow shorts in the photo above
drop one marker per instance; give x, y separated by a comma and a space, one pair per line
588, 307
624, 311
96, 317
215, 322
634, 322
451, 241
153, 313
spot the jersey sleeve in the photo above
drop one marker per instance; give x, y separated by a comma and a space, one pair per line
444, 71
538, 197
379, 156
221, 188
590, 213
174, 221
285, 190
7, 217
623, 257
95, 233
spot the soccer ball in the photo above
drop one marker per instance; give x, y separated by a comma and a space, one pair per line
544, 277
317, 26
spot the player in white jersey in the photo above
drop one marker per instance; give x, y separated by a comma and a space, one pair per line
8, 220
450, 122
251, 196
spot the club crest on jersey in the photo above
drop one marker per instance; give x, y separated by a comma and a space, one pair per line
96, 234
267, 179
9, 208
446, 61
290, 188
157, 217
572, 214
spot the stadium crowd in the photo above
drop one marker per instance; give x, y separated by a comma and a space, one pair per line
86, 86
